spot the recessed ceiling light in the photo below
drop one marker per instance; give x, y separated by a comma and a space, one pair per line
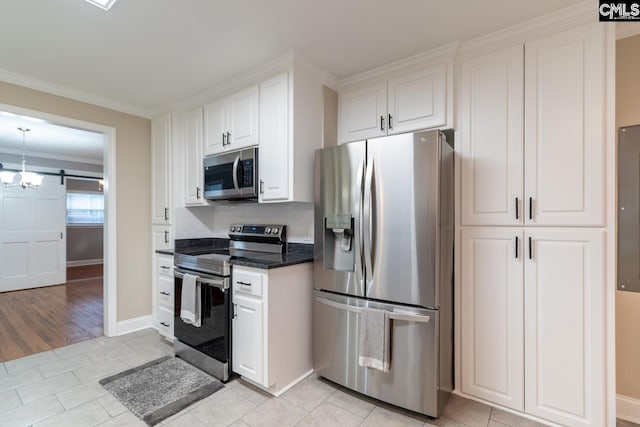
102, 4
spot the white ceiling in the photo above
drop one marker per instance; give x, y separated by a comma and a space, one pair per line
49, 140
142, 55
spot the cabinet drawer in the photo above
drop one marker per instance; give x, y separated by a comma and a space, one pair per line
247, 282
165, 292
165, 266
165, 322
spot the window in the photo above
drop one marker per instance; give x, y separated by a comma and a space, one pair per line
85, 208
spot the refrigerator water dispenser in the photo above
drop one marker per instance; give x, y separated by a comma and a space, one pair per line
338, 242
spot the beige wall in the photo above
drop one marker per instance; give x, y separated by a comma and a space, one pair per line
628, 303
133, 165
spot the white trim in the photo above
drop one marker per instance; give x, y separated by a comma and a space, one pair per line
611, 225
628, 408
627, 29
505, 409
43, 155
110, 232
289, 386
135, 324
85, 262
67, 92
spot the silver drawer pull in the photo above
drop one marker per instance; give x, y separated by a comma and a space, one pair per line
243, 283
166, 325
165, 293
164, 267
406, 317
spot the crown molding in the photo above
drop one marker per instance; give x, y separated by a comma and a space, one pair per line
441, 53
76, 95
582, 13
627, 29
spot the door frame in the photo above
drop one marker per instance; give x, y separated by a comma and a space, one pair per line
109, 230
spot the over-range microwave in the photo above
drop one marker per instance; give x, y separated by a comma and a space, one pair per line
231, 176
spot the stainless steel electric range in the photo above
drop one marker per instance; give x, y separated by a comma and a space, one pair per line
209, 345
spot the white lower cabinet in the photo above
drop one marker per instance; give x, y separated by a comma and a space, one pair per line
163, 294
272, 325
533, 321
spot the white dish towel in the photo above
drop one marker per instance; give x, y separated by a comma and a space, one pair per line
190, 301
374, 346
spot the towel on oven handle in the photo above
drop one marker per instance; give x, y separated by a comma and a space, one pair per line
190, 301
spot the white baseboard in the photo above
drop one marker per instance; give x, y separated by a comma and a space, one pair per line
628, 408
83, 262
135, 324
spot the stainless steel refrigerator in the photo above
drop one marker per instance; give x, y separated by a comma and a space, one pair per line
384, 226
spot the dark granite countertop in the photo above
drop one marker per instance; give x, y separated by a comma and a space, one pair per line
297, 253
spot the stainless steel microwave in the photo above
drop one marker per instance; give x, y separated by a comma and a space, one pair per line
231, 176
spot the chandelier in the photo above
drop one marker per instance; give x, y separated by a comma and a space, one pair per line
23, 179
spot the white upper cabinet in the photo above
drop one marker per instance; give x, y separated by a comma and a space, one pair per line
160, 170
405, 101
558, 177
231, 123
564, 127
363, 113
274, 139
215, 127
193, 153
491, 138
417, 100
492, 350
564, 326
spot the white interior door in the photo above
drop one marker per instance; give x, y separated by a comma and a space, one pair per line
32, 236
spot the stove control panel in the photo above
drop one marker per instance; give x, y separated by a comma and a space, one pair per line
262, 231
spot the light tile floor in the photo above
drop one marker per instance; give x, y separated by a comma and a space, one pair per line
60, 388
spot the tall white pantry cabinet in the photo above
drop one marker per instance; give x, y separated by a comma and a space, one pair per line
532, 226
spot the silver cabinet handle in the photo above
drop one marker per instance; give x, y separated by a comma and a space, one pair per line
390, 122
261, 187
164, 267
166, 236
224, 139
381, 122
530, 248
517, 244
531, 208
517, 206
243, 283
228, 138
393, 315
166, 325
165, 293
197, 192
166, 214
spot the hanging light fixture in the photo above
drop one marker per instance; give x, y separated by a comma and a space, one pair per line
23, 179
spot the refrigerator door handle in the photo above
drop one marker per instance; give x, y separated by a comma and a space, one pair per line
368, 219
360, 215
406, 317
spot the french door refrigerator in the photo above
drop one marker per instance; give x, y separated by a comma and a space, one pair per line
384, 226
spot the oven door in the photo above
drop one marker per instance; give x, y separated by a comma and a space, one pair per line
213, 338
231, 176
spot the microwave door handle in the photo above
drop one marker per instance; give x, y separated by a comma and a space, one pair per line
236, 163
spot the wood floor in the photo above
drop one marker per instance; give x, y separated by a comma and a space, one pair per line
41, 319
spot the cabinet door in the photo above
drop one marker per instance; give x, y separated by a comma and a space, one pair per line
564, 119
275, 169
193, 154
363, 113
248, 338
243, 119
161, 238
160, 168
491, 153
492, 315
418, 100
215, 127
564, 326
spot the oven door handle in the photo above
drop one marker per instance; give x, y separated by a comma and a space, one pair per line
222, 284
